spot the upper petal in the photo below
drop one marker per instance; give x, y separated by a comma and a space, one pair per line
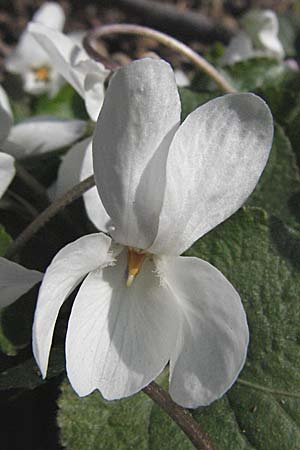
140, 114
15, 280
119, 339
65, 272
7, 171
50, 14
41, 134
214, 163
212, 339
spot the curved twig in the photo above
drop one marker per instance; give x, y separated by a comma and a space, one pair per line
163, 38
48, 213
181, 416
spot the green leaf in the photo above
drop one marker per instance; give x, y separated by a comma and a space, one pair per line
66, 104
190, 100
5, 240
91, 423
278, 191
254, 73
26, 375
260, 256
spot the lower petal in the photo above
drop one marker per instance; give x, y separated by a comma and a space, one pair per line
213, 335
66, 271
119, 339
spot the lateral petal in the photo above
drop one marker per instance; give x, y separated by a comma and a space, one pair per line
41, 134
15, 280
214, 163
93, 204
77, 165
66, 271
212, 339
140, 114
119, 339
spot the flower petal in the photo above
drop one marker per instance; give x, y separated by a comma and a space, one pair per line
73, 63
213, 335
93, 205
77, 165
65, 272
5, 117
15, 280
140, 114
239, 48
70, 167
7, 171
262, 26
41, 134
214, 163
51, 15
119, 339
4, 103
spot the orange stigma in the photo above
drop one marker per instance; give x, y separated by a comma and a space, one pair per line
135, 259
42, 73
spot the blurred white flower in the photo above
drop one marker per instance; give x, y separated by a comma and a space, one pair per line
15, 280
162, 186
30, 61
258, 38
35, 135
74, 64
7, 170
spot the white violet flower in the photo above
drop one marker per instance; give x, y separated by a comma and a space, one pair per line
163, 185
74, 64
259, 38
29, 59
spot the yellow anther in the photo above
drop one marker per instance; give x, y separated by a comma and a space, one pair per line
41, 73
135, 259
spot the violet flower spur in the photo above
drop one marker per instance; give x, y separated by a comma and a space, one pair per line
163, 185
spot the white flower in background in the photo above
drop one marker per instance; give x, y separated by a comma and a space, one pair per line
36, 135
163, 185
258, 38
74, 64
7, 166
181, 79
30, 61
15, 280
7, 170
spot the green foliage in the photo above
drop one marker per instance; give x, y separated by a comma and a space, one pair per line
5, 240
260, 256
66, 104
190, 100
278, 190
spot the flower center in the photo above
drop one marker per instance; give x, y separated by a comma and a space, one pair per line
135, 259
42, 73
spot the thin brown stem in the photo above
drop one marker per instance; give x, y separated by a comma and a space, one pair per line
48, 213
181, 416
197, 60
